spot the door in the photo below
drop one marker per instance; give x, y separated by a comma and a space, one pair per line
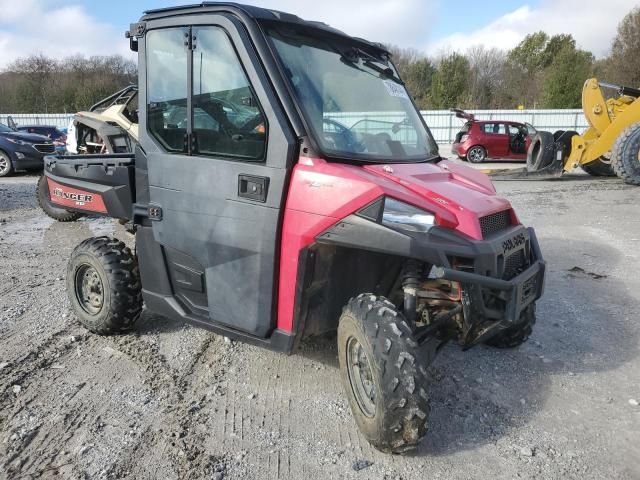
496, 139
517, 141
217, 153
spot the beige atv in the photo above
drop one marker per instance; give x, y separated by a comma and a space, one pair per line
110, 126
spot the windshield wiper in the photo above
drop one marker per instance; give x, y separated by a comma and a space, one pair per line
353, 55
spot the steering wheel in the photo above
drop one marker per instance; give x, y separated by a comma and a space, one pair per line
346, 137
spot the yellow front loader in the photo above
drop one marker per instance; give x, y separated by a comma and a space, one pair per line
610, 146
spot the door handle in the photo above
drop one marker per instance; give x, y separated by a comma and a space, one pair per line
253, 188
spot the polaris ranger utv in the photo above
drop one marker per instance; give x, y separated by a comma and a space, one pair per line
285, 185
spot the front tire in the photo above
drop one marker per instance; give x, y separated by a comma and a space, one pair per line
383, 372
476, 154
44, 200
6, 167
625, 155
518, 334
103, 284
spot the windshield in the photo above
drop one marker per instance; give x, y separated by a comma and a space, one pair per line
354, 102
5, 129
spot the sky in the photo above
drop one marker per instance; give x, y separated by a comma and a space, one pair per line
60, 28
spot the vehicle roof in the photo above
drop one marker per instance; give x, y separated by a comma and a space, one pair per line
255, 13
36, 126
498, 121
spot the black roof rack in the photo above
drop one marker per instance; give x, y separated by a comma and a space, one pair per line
121, 96
255, 13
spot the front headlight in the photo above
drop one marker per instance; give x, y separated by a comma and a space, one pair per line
402, 216
16, 141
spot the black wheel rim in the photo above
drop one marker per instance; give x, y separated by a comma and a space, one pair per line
89, 289
361, 377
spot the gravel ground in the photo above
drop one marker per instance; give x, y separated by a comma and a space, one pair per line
174, 402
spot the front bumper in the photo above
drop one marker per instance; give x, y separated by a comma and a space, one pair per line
500, 288
27, 157
516, 293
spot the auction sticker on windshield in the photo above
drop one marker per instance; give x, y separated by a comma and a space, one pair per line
395, 90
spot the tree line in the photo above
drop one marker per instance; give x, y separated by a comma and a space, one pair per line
39, 84
542, 71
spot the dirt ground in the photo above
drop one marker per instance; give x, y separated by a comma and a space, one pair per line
170, 401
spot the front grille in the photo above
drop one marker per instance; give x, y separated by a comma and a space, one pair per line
514, 264
495, 222
45, 147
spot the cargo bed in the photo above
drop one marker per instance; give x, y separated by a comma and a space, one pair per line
95, 184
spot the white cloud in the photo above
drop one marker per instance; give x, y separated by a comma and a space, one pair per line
43, 26
401, 22
592, 23
34, 26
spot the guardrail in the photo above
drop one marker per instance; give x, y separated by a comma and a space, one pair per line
443, 124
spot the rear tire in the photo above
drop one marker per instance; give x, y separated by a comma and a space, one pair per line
103, 284
625, 155
6, 167
384, 374
476, 154
540, 154
44, 200
518, 334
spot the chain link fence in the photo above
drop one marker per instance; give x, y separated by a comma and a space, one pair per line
443, 124
60, 120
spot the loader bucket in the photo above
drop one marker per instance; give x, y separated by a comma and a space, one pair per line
545, 159
551, 171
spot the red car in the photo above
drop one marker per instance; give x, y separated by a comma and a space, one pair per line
496, 139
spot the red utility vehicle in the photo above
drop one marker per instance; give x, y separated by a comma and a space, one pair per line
495, 139
272, 200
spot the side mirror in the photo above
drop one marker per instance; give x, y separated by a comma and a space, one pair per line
133, 44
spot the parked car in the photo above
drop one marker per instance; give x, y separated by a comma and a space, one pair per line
58, 137
495, 139
22, 151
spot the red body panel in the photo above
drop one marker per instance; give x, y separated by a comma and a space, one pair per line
75, 198
323, 193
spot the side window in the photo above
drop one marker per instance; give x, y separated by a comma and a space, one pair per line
167, 87
514, 130
488, 127
227, 119
495, 128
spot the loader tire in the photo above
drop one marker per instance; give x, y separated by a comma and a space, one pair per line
383, 372
625, 155
540, 154
103, 284
599, 168
518, 334
44, 201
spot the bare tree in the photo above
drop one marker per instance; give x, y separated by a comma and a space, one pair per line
623, 65
486, 71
